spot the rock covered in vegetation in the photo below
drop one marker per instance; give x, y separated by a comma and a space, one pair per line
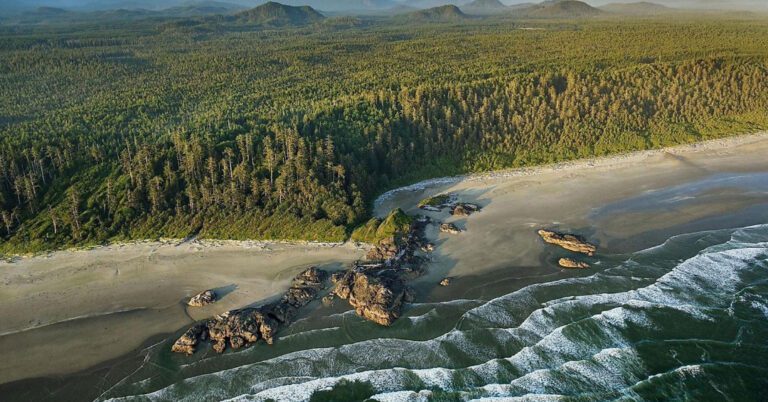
436, 203
449, 228
464, 209
376, 298
376, 288
202, 299
239, 328
568, 241
387, 235
570, 263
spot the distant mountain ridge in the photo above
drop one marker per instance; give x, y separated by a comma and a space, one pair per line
559, 9
344, 5
485, 7
445, 13
639, 8
278, 15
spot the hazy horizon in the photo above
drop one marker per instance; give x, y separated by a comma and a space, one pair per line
352, 5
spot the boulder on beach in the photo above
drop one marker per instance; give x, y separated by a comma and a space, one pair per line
376, 298
186, 343
240, 328
464, 209
446, 281
568, 241
202, 299
449, 228
570, 263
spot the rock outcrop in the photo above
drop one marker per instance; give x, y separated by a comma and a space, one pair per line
187, 342
385, 250
449, 228
568, 241
202, 299
446, 281
377, 298
239, 328
464, 209
437, 203
377, 288
570, 263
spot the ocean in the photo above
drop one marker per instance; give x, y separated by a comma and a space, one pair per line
684, 320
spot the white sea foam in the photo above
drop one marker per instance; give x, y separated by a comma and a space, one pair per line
402, 396
554, 342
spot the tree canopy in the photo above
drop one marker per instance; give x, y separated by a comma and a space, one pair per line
141, 130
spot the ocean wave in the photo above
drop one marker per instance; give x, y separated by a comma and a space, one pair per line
574, 336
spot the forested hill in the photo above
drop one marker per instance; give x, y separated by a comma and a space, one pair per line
111, 134
276, 14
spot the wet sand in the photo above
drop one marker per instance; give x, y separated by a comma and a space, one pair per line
124, 295
623, 203
75, 309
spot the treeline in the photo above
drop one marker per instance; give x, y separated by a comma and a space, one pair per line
290, 135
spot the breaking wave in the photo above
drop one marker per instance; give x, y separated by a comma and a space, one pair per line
683, 320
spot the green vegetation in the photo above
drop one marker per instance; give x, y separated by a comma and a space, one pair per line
278, 15
561, 9
167, 128
485, 7
445, 13
345, 391
435, 201
396, 225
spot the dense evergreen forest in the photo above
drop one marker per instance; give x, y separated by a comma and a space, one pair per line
128, 131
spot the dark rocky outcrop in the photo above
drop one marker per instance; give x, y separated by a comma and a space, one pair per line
202, 299
441, 201
377, 288
377, 298
436, 203
464, 209
569, 242
449, 228
239, 328
570, 263
385, 250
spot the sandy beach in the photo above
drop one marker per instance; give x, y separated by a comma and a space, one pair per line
624, 203
74, 309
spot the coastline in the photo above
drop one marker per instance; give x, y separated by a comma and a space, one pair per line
172, 242
88, 299
75, 309
595, 162
623, 203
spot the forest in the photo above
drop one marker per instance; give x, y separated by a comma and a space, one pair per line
115, 132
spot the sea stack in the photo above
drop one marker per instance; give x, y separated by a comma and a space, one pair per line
569, 242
